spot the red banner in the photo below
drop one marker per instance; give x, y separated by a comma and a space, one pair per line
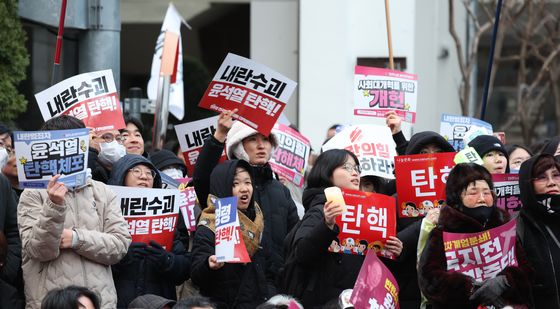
421, 182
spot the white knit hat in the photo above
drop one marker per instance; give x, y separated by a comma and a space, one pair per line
234, 146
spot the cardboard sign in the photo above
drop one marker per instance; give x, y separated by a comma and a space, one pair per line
481, 255
91, 97
151, 214
372, 144
377, 91
187, 204
367, 223
506, 187
421, 182
375, 287
460, 130
259, 93
191, 136
44, 154
230, 246
290, 157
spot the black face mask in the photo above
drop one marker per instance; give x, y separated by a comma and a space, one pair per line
480, 213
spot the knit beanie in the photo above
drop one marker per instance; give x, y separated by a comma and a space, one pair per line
483, 144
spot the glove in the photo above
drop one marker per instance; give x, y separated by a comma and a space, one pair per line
490, 291
135, 252
157, 255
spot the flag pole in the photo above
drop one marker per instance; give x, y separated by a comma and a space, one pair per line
389, 39
56, 66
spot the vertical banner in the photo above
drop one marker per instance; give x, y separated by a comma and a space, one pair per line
372, 144
151, 214
187, 204
91, 97
191, 136
421, 182
506, 187
290, 157
229, 242
460, 130
481, 255
367, 223
375, 287
259, 93
43, 154
377, 91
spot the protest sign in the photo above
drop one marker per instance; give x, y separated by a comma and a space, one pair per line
43, 154
460, 130
421, 182
289, 159
151, 214
372, 144
259, 93
375, 287
506, 187
187, 204
468, 155
191, 136
378, 91
367, 223
481, 255
230, 246
91, 97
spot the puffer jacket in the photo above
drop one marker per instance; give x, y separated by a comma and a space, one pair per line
103, 239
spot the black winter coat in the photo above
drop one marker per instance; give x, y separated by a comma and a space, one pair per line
279, 210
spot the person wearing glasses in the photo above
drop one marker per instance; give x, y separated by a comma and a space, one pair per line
147, 268
538, 225
105, 149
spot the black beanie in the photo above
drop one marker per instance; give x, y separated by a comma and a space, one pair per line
483, 144
165, 158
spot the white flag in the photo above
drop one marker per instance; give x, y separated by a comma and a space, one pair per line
172, 23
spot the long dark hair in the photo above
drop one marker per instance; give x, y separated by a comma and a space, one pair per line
327, 162
459, 179
67, 298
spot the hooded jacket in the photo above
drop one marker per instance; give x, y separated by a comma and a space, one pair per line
551, 146
234, 285
134, 277
542, 251
449, 289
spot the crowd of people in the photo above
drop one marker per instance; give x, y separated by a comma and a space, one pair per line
70, 247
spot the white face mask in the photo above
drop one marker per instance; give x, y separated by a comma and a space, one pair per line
111, 152
173, 172
3, 157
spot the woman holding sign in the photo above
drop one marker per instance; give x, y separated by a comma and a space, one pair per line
471, 258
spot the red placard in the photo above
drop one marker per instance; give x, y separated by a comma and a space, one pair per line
158, 228
421, 182
367, 223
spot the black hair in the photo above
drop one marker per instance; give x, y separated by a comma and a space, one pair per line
337, 240
67, 298
4, 129
510, 148
135, 121
322, 171
193, 302
364, 242
544, 163
63, 122
334, 126
459, 179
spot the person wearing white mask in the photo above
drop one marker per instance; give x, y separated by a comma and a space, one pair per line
168, 163
106, 148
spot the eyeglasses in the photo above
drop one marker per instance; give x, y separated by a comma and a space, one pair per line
137, 172
351, 168
542, 179
109, 137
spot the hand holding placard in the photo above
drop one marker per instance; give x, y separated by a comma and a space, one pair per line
56, 190
225, 121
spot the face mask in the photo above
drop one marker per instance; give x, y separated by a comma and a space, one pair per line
111, 152
550, 203
173, 172
480, 213
3, 157
514, 171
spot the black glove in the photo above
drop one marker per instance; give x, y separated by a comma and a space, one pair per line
135, 252
490, 291
158, 256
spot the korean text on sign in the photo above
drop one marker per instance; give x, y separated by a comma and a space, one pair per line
259, 93
229, 243
506, 187
481, 255
187, 204
91, 97
43, 154
290, 157
455, 129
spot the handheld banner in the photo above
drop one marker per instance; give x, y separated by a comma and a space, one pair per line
290, 157
230, 246
481, 255
151, 214
187, 204
460, 130
506, 187
377, 91
91, 97
367, 223
191, 136
259, 93
468, 155
43, 154
375, 287
372, 144
421, 182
